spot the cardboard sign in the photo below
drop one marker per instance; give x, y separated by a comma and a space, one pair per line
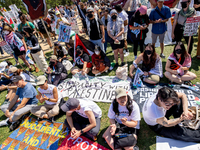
6, 47
191, 26
74, 25
64, 33
81, 143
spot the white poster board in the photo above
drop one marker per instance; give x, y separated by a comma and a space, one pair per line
64, 33
191, 26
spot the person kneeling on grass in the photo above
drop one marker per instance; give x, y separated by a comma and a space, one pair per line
21, 104
124, 116
151, 65
49, 94
160, 106
178, 64
100, 62
83, 117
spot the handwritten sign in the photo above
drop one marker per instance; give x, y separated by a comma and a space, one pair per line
191, 26
64, 33
6, 47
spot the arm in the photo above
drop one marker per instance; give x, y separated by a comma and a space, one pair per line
12, 103
167, 68
92, 121
84, 66
165, 20
120, 33
24, 43
69, 119
169, 123
54, 51
5, 75
175, 3
103, 32
173, 27
153, 3
139, 58
131, 124
23, 104
125, 22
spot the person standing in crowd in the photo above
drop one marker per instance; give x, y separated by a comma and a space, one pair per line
100, 62
35, 48
178, 64
161, 106
179, 23
83, 117
82, 8
158, 17
124, 117
124, 16
21, 104
115, 28
49, 94
58, 71
60, 52
197, 8
95, 29
105, 18
139, 25
61, 20
151, 65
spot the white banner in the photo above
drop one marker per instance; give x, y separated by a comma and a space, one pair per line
99, 89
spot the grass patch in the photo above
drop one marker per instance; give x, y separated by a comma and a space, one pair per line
147, 138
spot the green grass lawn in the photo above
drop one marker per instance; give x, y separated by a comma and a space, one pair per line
147, 138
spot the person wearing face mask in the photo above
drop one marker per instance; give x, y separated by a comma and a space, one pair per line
94, 27
139, 25
115, 28
60, 52
56, 71
178, 64
179, 23
124, 117
82, 62
151, 65
100, 62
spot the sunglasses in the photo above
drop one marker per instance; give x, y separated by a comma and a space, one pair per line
89, 12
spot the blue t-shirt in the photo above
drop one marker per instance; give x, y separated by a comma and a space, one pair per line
28, 92
160, 28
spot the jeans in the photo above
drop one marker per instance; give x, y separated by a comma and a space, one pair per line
99, 43
56, 79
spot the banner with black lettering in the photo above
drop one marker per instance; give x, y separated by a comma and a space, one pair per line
140, 95
99, 89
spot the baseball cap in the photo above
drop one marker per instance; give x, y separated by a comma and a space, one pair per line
72, 103
12, 69
120, 92
57, 12
90, 8
40, 80
113, 12
16, 78
54, 57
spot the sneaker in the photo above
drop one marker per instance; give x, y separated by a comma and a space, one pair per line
162, 55
126, 52
116, 65
16, 124
51, 119
4, 122
98, 74
39, 119
122, 64
30, 69
16, 64
37, 69
188, 83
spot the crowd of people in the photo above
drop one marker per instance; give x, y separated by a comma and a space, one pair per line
103, 24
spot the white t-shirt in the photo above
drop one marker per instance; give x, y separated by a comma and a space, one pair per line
123, 112
3, 66
87, 105
49, 93
151, 112
124, 17
26, 77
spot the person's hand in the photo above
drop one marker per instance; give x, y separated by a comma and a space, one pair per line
146, 73
188, 115
196, 5
73, 131
103, 40
172, 36
7, 113
94, 68
131, 75
60, 60
11, 116
76, 134
83, 73
123, 120
29, 47
116, 41
113, 129
44, 98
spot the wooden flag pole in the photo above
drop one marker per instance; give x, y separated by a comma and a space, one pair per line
189, 41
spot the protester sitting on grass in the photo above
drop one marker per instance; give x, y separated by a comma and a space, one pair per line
83, 117
4, 78
124, 117
160, 106
82, 62
60, 52
35, 49
100, 61
178, 64
56, 71
21, 104
151, 65
49, 94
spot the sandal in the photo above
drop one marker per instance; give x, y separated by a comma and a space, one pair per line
188, 83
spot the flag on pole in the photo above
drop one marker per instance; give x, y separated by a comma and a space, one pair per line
11, 23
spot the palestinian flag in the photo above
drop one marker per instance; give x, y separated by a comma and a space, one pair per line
88, 46
11, 23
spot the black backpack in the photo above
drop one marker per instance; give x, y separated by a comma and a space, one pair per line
41, 27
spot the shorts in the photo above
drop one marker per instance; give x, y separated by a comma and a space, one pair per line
154, 78
19, 53
45, 35
117, 46
125, 35
161, 37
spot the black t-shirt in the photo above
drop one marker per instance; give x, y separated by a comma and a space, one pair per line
174, 66
32, 41
94, 33
83, 58
197, 2
84, 11
15, 49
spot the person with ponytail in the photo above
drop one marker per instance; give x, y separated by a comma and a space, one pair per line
124, 117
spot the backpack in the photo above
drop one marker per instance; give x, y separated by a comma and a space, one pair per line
25, 23
41, 27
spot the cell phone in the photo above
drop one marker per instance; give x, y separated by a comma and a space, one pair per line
116, 43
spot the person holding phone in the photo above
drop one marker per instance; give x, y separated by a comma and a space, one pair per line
115, 29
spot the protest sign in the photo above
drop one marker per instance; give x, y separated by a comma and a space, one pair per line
81, 143
6, 47
64, 33
74, 25
99, 89
33, 134
14, 10
191, 26
140, 95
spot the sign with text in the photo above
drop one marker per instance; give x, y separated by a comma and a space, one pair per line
99, 89
64, 33
81, 143
191, 26
6, 47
